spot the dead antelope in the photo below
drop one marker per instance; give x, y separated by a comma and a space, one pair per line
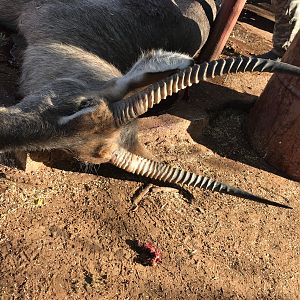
75, 94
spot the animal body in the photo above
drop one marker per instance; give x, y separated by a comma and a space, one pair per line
115, 30
80, 76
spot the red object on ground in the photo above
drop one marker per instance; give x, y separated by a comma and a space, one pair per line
274, 121
223, 25
149, 254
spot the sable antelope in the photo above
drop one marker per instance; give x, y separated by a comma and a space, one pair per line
79, 79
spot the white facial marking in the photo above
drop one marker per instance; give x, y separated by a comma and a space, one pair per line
65, 120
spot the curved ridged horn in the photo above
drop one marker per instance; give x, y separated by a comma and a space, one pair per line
156, 170
136, 105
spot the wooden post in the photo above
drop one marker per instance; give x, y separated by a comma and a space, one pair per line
223, 25
274, 122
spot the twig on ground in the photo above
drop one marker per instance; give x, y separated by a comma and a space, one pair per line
138, 198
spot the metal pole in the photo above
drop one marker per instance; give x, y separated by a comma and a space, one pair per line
223, 25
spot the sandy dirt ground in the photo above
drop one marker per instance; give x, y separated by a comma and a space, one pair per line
69, 233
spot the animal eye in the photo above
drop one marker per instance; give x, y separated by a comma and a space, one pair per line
86, 103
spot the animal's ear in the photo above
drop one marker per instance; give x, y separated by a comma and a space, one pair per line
152, 67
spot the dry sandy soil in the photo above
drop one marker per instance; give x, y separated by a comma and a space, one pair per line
69, 234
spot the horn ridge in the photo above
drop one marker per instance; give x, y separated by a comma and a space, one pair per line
138, 165
126, 110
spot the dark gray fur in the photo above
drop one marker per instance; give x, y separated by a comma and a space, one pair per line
115, 30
